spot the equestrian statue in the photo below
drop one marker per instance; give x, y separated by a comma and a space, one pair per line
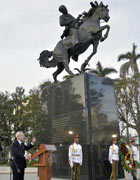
78, 35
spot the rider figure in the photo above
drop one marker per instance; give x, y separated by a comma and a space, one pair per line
70, 23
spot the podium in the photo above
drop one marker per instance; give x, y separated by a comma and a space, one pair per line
45, 161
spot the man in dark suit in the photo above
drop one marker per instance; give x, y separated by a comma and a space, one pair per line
18, 152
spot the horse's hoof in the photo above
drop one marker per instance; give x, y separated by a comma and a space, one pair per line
102, 39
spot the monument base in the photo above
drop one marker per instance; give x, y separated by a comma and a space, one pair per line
83, 105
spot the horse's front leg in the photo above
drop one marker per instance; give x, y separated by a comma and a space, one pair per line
107, 32
95, 45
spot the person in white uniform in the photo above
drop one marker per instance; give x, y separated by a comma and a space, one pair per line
75, 158
135, 153
114, 158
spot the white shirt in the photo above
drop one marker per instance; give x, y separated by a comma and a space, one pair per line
19, 141
135, 152
113, 153
75, 154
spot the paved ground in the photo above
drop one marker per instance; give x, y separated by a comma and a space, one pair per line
31, 174
27, 177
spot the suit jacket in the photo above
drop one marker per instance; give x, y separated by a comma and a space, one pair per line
18, 152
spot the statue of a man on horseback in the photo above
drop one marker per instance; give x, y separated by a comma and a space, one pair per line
78, 35
71, 27
69, 22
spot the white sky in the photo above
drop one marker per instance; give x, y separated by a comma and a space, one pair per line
29, 26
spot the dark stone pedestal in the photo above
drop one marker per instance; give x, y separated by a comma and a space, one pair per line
84, 105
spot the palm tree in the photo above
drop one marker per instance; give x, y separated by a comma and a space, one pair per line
80, 71
102, 72
132, 58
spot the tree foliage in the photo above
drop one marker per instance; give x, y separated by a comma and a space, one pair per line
128, 102
101, 71
132, 58
19, 112
128, 98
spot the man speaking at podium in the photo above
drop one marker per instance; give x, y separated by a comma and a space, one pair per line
18, 164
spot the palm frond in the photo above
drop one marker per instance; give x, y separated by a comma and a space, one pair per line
87, 69
124, 68
94, 71
109, 71
134, 49
137, 57
99, 66
66, 77
129, 55
124, 56
77, 70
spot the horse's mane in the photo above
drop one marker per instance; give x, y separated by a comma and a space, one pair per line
92, 10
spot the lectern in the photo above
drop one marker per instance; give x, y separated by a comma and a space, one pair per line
45, 161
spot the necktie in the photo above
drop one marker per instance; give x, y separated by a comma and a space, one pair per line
22, 147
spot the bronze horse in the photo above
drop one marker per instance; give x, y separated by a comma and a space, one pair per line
89, 31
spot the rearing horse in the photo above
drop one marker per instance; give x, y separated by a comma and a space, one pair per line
90, 32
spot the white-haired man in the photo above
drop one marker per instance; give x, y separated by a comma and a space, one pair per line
18, 152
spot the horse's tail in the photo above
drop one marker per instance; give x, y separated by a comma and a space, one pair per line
44, 59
